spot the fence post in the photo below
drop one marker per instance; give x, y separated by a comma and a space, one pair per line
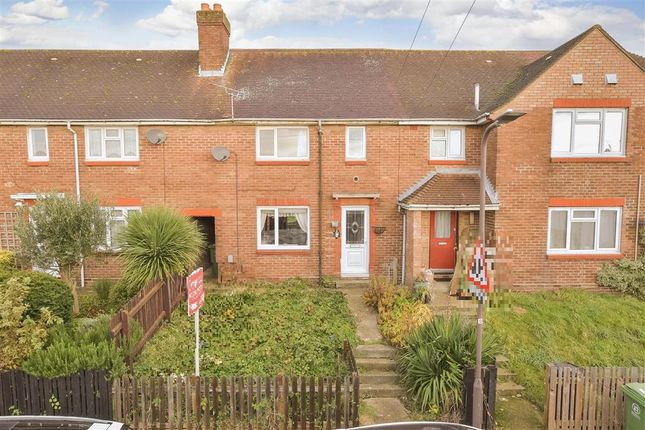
125, 335
165, 299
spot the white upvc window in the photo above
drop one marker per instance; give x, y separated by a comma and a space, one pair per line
583, 230
117, 220
588, 132
355, 143
111, 144
37, 144
282, 143
447, 143
285, 227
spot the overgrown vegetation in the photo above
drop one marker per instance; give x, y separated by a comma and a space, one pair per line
20, 335
43, 291
158, 243
571, 326
400, 309
7, 261
60, 232
433, 360
86, 344
626, 276
292, 329
97, 301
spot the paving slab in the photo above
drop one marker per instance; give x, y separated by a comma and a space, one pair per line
383, 410
366, 325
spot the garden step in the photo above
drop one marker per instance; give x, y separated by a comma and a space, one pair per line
376, 364
352, 283
374, 378
504, 374
509, 388
374, 351
381, 390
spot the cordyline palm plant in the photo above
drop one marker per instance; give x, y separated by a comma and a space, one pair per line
434, 358
158, 243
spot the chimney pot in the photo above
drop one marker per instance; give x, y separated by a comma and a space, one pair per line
217, 7
206, 6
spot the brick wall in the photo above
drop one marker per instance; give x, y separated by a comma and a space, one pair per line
527, 177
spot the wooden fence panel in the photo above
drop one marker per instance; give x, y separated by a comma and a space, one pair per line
293, 403
587, 398
85, 394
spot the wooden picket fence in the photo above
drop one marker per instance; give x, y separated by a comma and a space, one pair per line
202, 402
587, 398
85, 394
153, 304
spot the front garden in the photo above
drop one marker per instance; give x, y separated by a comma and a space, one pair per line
290, 328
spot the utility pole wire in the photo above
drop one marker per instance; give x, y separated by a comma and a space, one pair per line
449, 48
405, 60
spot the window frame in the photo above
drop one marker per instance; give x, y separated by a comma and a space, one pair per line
363, 155
103, 156
276, 213
574, 112
109, 246
276, 157
596, 219
448, 129
30, 149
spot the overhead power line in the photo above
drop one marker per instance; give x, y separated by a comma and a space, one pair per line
414, 39
443, 59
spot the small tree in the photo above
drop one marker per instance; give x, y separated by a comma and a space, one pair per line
61, 232
20, 336
158, 243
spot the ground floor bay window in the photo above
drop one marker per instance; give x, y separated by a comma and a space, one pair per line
584, 230
283, 227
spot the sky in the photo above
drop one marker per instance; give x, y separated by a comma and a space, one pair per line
170, 24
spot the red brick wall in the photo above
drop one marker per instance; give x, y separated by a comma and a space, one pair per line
527, 177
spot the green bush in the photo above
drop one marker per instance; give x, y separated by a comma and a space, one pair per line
102, 289
44, 291
85, 345
434, 357
405, 315
7, 260
625, 275
90, 306
159, 243
121, 293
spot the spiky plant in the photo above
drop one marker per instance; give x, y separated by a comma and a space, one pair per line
158, 243
434, 357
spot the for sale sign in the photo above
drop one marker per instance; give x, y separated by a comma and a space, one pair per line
477, 271
195, 286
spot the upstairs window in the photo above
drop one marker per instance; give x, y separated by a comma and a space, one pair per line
117, 221
111, 144
282, 143
588, 132
37, 145
447, 143
355, 143
584, 230
283, 227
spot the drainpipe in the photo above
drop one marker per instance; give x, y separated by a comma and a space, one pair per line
320, 203
638, 214
78, 187
405, 222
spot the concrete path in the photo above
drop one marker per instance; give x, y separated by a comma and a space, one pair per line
376, 361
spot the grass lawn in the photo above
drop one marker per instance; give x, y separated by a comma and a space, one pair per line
284, 328
577, 327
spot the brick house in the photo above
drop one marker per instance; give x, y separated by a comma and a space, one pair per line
339, 162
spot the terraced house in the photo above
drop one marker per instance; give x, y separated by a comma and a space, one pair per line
339, 162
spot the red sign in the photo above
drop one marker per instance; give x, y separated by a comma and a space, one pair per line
477, 271
195, 286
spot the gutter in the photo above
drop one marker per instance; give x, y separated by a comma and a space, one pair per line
78, 187
413, 207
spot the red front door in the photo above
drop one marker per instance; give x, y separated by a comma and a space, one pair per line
443, 230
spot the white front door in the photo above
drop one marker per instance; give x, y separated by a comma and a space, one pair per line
355, 234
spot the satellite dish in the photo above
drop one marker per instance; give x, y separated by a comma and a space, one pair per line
220, 153
156, 136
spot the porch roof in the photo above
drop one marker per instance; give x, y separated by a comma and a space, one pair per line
450, 188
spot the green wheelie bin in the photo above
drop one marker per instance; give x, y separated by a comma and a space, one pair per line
634, 406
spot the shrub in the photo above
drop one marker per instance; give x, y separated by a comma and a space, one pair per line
90, 306
7, 260
86, 345
102, 289
121, 293
44, 291
434, 358
626, 276
406, 315
380, 294
20, 335
158, 243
